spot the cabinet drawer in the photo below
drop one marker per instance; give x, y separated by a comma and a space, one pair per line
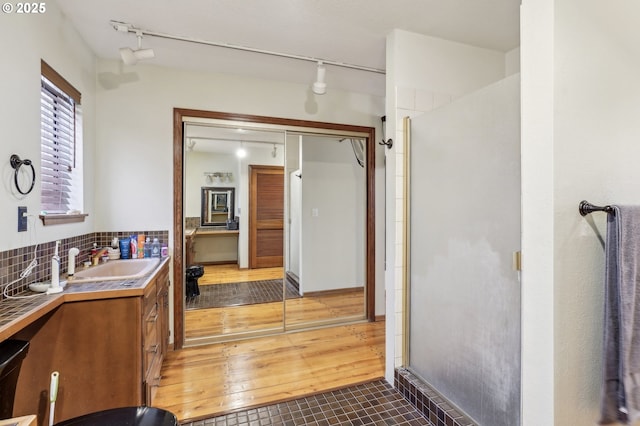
152, 380
151, 344
149, 301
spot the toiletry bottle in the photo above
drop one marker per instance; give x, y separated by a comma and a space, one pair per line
147, 247
133, 240
155, 248
164, 251
141, 246
94, 250
125, 248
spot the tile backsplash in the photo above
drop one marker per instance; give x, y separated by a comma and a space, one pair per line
191, 222
14, 261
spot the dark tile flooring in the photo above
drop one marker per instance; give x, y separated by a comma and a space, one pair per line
373, 403
236, 294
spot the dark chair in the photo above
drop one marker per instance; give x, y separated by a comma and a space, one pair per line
192, 274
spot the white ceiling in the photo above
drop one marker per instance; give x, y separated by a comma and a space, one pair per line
351, 31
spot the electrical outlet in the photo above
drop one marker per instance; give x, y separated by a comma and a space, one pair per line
22, 219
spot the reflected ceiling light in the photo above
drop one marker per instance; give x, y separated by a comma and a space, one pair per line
191, 144
320, 87
131, 57
241, 152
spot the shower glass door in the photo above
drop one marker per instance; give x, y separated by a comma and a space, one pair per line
464, 296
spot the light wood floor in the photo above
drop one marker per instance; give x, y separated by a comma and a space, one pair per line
224, 274
204, 381
317, 308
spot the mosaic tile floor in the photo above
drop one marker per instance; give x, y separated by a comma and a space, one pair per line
236, 294
373, 403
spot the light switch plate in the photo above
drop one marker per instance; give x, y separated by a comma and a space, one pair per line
22, 218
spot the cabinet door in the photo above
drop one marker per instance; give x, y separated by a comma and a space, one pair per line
162, 284
95, 346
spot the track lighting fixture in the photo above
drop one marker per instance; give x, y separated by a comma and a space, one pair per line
131, 57
320, 87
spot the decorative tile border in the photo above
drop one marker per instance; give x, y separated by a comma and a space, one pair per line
427, 401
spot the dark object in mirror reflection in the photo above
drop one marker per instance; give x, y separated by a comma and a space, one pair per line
232, 224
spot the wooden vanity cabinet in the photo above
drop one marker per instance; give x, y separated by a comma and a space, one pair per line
190, 248
108, 352
155, 332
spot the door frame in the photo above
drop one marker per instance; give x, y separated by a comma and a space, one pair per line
178, 201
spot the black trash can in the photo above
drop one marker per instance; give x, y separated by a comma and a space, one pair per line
192, 274
12, 352
126, 416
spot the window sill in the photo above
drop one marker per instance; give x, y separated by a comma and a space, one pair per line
59, 219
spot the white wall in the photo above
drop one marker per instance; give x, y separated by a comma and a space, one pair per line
581, 107
27, 39
422, 74
537, 65
196, 164
136, 126
333, 243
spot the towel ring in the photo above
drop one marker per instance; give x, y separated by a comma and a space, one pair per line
16, 163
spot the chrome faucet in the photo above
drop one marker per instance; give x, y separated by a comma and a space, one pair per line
71, 269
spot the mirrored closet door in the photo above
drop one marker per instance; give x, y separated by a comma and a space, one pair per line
274, 228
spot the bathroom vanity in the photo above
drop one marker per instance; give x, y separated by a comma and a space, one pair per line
215, 245
106, 339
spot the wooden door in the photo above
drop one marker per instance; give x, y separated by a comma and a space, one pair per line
266, 216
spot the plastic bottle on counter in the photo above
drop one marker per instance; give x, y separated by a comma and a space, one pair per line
155, 248
164, 251
147, 247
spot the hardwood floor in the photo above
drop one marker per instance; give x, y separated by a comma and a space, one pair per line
230, 273
314, 308
204, 381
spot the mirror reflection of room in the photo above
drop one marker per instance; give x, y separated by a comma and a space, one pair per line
275, 232
231, 297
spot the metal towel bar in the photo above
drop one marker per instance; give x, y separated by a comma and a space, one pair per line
585, 208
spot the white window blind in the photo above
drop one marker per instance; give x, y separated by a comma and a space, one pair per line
58, 142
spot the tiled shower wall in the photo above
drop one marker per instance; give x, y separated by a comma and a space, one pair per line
13, 262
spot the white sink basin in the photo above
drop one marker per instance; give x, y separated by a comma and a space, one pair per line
115, 270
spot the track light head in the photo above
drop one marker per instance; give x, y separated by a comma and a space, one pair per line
131, 57
320, 87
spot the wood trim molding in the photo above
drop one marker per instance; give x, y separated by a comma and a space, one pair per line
59, 219
178, 231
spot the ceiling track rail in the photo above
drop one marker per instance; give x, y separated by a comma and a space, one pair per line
129, 28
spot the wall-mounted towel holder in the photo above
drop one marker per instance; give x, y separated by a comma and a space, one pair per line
585, 208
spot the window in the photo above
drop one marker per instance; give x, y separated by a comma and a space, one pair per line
61, 146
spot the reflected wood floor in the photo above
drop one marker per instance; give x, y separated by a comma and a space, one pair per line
230, 273
201, 382
202, 323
